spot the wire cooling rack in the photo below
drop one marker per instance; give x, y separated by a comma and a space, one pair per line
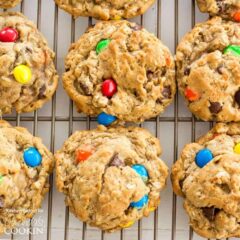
169, 20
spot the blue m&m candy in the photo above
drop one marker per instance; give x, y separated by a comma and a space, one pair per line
141, 170
105, 119
203, 157
141, 203
32, 157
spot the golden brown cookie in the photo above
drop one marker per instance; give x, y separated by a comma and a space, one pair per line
119, 68
105, 9
28, 77
229, 9
25, 165
208, 63
111, 177
207, 176
9, 3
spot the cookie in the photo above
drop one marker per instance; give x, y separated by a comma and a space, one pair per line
229, 9
207, 176
120, 69
9, 3
111, 177
28, 77
25, 164
105, 9
208, 63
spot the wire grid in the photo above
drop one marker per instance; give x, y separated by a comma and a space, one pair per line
70, 119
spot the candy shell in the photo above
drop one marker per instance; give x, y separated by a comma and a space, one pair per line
127, 225
109, 88
32, 157
82, 155
105, 119
22, 74
191, 95
141, 203
102, 45
237, 148
142, 171
233, 49
203, 157
8, 35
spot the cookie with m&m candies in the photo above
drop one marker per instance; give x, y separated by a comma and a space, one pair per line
25, 166
208, 69
119, 71
207, 176
28, 77
111, 177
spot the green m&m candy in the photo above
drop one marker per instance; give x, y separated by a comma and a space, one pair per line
232, 49
102, 45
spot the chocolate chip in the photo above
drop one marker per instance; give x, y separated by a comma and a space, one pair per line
220, 69
167, 92
237, 97
136, 27
187, 71
116, 161
42, 91
215, 107
28, 50
159, 101
149, 75
210, 212
1, 202
221, 6
85, 88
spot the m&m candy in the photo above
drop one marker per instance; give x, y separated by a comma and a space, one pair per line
141, 170
203, 157
141, 203
236, 16
237, 148
233, 49
102, 45
82, 155
22, 74
109, 88
8, 35
127, 225
105, 119
191, 95
32, 157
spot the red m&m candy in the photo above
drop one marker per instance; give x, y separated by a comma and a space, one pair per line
8, 35
109, 88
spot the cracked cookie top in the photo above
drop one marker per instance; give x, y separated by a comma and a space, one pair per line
119, 68
25, 164
229, 9
111, 177
207, 175
9, 3
28, 77
105, 9
208, 63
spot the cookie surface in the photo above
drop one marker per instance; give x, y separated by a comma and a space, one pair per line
9, 3
139, 66
28, 75
211, 192
105, 9
95, 170
229, 9
22, 187
208, 63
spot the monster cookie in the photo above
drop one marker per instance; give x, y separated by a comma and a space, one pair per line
105, 9
229, 9
207, 175
111, 177
9, 3
208, 62
118, 70
27, 75
25, 164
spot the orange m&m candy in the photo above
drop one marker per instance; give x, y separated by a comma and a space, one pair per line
82, 155
191, 95
236, 16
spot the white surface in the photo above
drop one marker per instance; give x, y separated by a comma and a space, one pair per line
166, 131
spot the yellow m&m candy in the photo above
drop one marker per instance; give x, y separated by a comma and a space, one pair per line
127, 225
22, 74
237, 148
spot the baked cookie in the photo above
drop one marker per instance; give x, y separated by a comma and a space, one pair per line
105, 9
111, 177
208, 63
207, 175
9, 3
28, 76
229, 9
120, 69
25, 164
